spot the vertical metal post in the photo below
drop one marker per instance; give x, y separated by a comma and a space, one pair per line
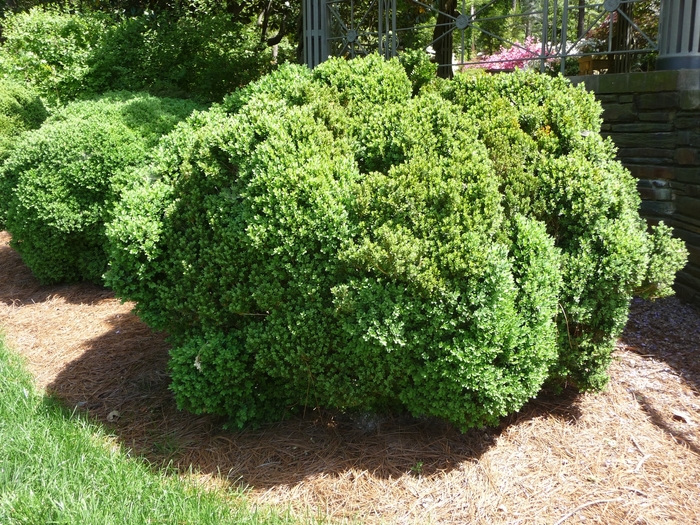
545, 33
386, 31
380, 28
394, 34
565, 20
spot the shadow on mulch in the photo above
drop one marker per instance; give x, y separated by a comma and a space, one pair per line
18, 286
125, 371
121, 380
666, 330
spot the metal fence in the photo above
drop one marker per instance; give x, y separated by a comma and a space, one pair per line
615, 34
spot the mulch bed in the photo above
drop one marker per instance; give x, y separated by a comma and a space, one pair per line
628, 455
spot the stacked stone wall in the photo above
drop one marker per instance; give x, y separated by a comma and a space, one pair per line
654, 119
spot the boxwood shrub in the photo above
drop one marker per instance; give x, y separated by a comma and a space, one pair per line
328, 238
63, 180
553, 165
21, 109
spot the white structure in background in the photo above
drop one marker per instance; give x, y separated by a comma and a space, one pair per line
679, 35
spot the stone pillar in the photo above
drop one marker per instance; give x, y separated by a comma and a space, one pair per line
679, 35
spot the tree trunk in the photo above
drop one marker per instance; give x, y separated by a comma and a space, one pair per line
442, 37
622, 41
581, 28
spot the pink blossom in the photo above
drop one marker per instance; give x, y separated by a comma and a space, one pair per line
518, 56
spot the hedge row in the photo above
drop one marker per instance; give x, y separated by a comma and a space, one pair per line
358, 239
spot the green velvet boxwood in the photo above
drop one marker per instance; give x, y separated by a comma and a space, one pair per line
553, 165
65, 178
21, 109
328, 238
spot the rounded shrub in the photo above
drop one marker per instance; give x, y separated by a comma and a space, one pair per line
64, 179
21, 109
328, 238
292, 265
553, 166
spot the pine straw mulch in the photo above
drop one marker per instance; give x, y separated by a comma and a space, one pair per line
628, 455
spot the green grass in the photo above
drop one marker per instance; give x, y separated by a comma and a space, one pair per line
59, 468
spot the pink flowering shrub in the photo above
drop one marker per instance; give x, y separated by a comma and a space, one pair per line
518, 56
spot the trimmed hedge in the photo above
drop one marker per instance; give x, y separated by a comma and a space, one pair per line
327, 238
553, 166
21, 109
64, 179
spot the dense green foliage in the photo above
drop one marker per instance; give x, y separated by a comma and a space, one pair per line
543, 136
61, 181
57, 467
21, 109
328, 238
50, 50
186, 54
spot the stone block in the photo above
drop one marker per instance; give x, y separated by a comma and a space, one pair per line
642, 127
689, 190
685, 279
688, 138
633, 161
651, 153
652, 172
687, 294
653, 183
654, 190
687, 222
626, 99
693, 254
655, 194
690, 99
618, 113
656, 116
693, 270
590, 82
687, 157
656, 208
617, 83
688, 80
687, 121
658, 100
688, 206
688, 175
605, 127
653, 82
688, 237
607, 99
644, 140
678, 222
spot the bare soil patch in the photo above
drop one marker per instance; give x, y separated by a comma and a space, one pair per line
628, 455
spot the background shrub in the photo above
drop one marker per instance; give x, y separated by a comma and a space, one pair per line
66, 177
51, 50
179, 53
289, 273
